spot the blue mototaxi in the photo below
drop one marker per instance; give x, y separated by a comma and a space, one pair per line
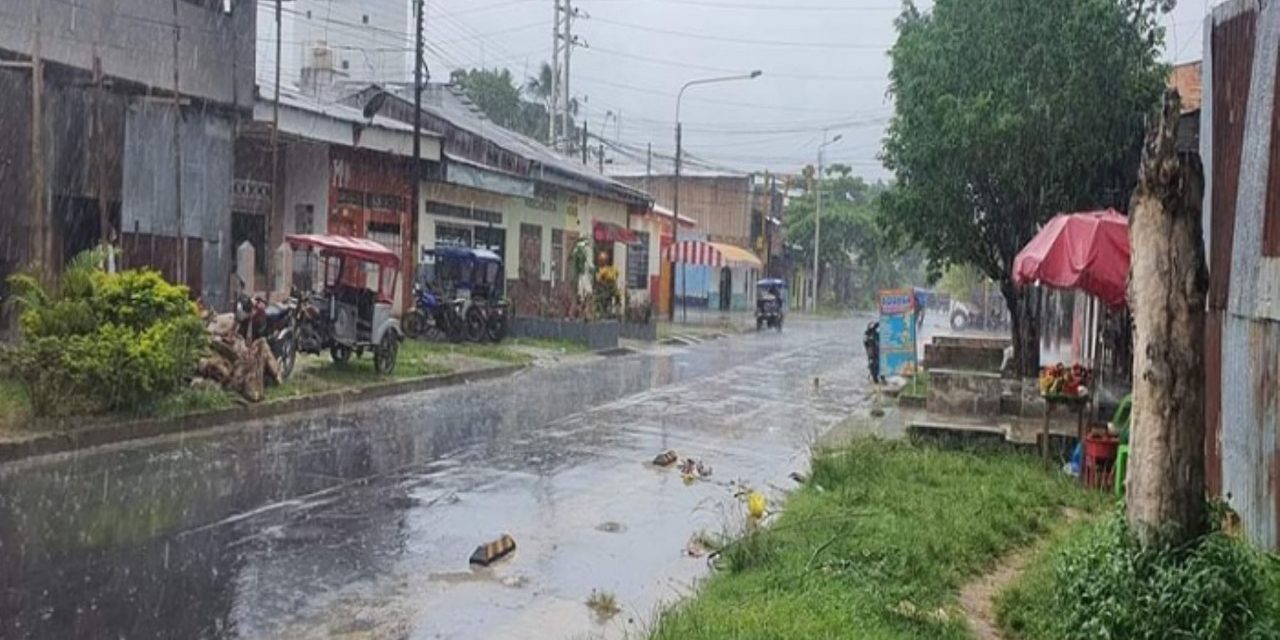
771, 303
474, 276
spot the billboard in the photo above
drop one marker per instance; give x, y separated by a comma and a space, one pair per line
897, 333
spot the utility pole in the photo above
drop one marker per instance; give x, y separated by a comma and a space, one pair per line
275, 153
553, 138
675, 227
40, 244
100, 153
564, 81
177, 146
648, 168
415, 177
817, 216
584, 142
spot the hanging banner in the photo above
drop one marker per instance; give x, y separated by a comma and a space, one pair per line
897, 333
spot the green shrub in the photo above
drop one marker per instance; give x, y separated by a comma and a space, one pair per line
104, 342
1104, 584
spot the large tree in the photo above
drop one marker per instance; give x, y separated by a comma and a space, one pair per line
1008, 112
856, 255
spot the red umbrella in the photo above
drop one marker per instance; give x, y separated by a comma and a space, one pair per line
1086, 251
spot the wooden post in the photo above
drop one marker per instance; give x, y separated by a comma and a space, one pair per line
40, 237
100, 155
1168, 287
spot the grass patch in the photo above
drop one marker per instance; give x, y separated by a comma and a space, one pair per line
1096, 582
189, 402
919, 385
876, 545
502, 352
318, 374
604, 604
15, 407
549, 344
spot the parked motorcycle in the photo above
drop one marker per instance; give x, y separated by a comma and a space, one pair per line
277, 323
434, 317
871, 342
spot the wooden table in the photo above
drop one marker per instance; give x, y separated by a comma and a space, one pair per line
1078, 403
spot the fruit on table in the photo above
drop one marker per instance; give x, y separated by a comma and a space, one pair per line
1058, 380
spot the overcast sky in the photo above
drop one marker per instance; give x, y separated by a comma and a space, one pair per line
824, 66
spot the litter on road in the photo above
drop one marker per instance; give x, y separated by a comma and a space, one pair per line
490, 552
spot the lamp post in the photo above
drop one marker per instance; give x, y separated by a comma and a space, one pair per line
675, 200
817, 214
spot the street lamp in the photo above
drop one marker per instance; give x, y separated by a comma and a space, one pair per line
675, 219
817, 214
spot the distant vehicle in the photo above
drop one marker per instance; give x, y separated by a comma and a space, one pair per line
349, 315
771, 303
968, 317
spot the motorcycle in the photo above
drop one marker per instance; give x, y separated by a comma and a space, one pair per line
871, 342
277, 323
435, 317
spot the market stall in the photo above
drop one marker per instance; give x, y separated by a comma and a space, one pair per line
1087, 252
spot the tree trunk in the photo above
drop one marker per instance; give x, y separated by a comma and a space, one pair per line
1024, 325
1167, 290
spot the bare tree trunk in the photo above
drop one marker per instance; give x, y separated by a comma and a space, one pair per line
1024, 326
1167, 290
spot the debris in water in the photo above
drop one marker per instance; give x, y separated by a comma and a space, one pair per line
666, 458
692, 470
798, 477
610, 527
490, 552
604, 604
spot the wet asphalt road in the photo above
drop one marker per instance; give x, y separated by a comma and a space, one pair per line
359, 522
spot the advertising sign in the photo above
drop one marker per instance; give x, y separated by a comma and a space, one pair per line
897, 333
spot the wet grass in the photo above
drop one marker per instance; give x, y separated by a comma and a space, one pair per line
15, 409
504, 352
319, 374
604, 604
877, 545
918, 387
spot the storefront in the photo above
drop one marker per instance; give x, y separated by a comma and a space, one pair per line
369, 198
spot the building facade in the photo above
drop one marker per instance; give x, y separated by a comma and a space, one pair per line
120, 122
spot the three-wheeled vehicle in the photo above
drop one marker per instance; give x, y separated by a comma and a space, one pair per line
475, 277
352, 312
771, 303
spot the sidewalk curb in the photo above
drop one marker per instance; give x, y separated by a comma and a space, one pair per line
115, 431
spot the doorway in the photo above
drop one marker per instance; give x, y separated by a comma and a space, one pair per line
726, 288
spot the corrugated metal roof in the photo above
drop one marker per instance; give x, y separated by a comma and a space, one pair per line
447, 103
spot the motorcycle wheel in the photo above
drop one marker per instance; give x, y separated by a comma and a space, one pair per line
415, 324
778, 324
475, 325
384, 358
340, 354
759, 324
497, 328
288, 357
959, 321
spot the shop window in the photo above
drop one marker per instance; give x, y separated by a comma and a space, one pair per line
557, 255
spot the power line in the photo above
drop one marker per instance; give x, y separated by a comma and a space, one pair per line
774, 7
772, 74
731, 103
749, 41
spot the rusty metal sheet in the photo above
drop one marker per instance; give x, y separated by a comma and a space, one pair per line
1251, 358
1213, 403
1271, 211
1232, 53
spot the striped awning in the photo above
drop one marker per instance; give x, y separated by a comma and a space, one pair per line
711, 254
